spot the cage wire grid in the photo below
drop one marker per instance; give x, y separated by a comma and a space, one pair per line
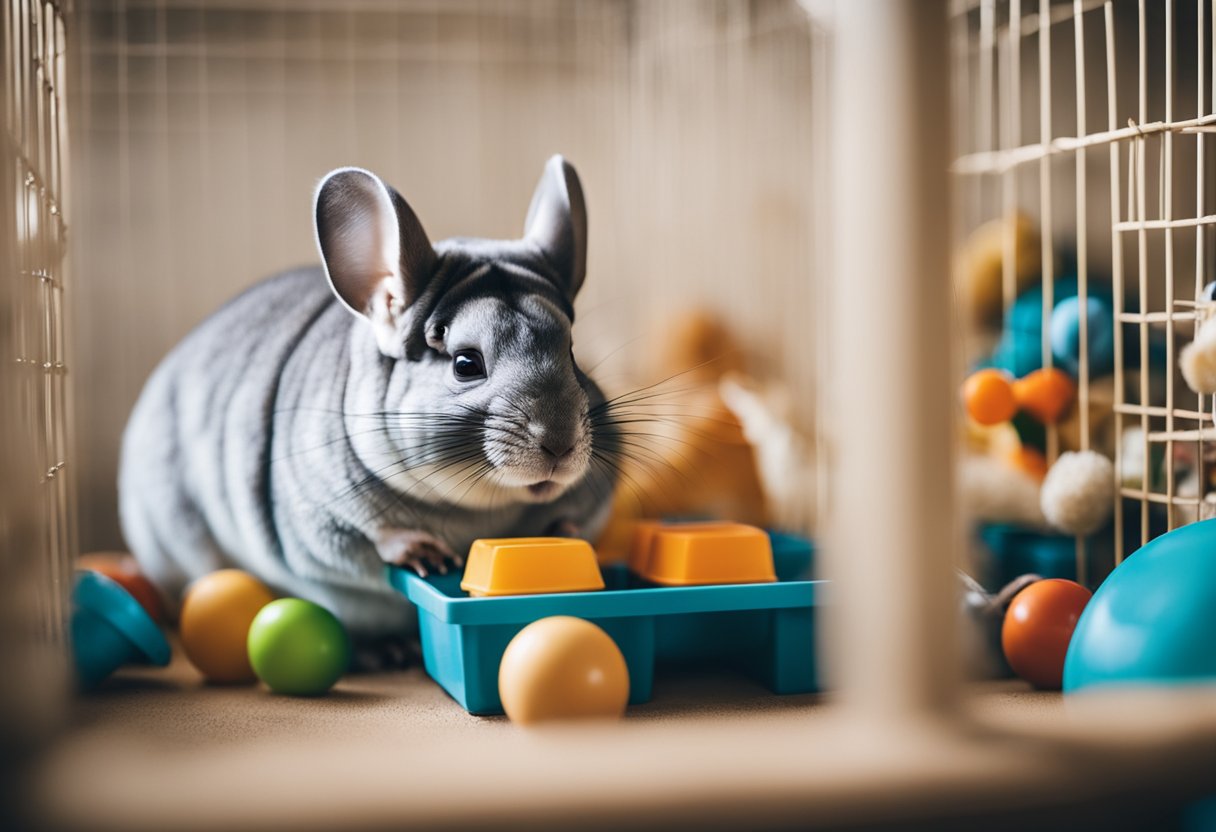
36, 519
990, 38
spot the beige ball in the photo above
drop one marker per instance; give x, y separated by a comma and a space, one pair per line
562, 668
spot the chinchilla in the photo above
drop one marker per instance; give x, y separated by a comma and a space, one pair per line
391, 407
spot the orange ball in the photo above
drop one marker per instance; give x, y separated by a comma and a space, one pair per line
1045, 394
122, 569
215, 619
562, 668
988, 397
1038, 627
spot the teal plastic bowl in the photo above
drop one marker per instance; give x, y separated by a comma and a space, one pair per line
109, 629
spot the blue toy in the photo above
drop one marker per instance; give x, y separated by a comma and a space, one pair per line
1020, 350
110, 629
767, 629
1153, 620
1100, 335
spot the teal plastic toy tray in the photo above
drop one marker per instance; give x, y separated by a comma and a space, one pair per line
765, 630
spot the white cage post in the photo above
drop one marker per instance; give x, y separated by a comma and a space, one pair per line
36, 519
890, 361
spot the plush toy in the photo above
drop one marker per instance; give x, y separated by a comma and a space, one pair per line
1198, 360
1078, 494
992, 491
689, 456
785, 457
982, 265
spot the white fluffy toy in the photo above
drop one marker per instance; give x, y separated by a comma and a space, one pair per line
1198, 359
1078, 494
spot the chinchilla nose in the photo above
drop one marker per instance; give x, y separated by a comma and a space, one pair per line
558, 455
556, 440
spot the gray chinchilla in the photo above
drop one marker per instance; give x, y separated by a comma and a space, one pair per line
392, 407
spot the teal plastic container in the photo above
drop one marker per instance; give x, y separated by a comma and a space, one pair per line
764, 630
1016, 550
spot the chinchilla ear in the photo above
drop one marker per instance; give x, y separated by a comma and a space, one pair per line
557, 223
376, 253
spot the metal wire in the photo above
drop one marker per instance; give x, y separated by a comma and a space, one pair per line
1145, 137
37, 523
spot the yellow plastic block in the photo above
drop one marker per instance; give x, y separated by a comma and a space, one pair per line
719, 553
530, 566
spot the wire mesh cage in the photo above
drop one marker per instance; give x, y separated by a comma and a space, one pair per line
1087, 120
37, 531
706, 133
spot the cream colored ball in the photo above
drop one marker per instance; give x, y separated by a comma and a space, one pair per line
562, 668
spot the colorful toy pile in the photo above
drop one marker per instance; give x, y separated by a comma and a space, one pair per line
1049, 340
232, 630
534, 626
1148, 624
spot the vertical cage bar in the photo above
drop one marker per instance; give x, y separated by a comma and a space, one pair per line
1011, 121
987, 52
1140, 146
1166, 188
890, 632
1078, 12
1200, 233
1045, 198
1116, 263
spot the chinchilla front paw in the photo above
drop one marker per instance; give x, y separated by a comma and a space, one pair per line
417, 550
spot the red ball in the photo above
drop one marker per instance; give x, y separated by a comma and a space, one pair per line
122, 569
1038, 627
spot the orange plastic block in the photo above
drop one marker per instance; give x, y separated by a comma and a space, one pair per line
530, 566
644, 532
709, 553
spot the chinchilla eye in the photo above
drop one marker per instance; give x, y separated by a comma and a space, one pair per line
468, 365
1209, 292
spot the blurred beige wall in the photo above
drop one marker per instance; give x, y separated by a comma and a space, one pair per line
201, 128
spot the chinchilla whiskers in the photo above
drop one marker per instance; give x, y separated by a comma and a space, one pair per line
432, 428
612, 472
482, 473
467, 468
444, 442
631, 418
478, 475
622, 437
374, 479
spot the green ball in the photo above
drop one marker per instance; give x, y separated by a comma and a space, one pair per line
297, 647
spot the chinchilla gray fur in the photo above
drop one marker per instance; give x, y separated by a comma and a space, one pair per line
392, 406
